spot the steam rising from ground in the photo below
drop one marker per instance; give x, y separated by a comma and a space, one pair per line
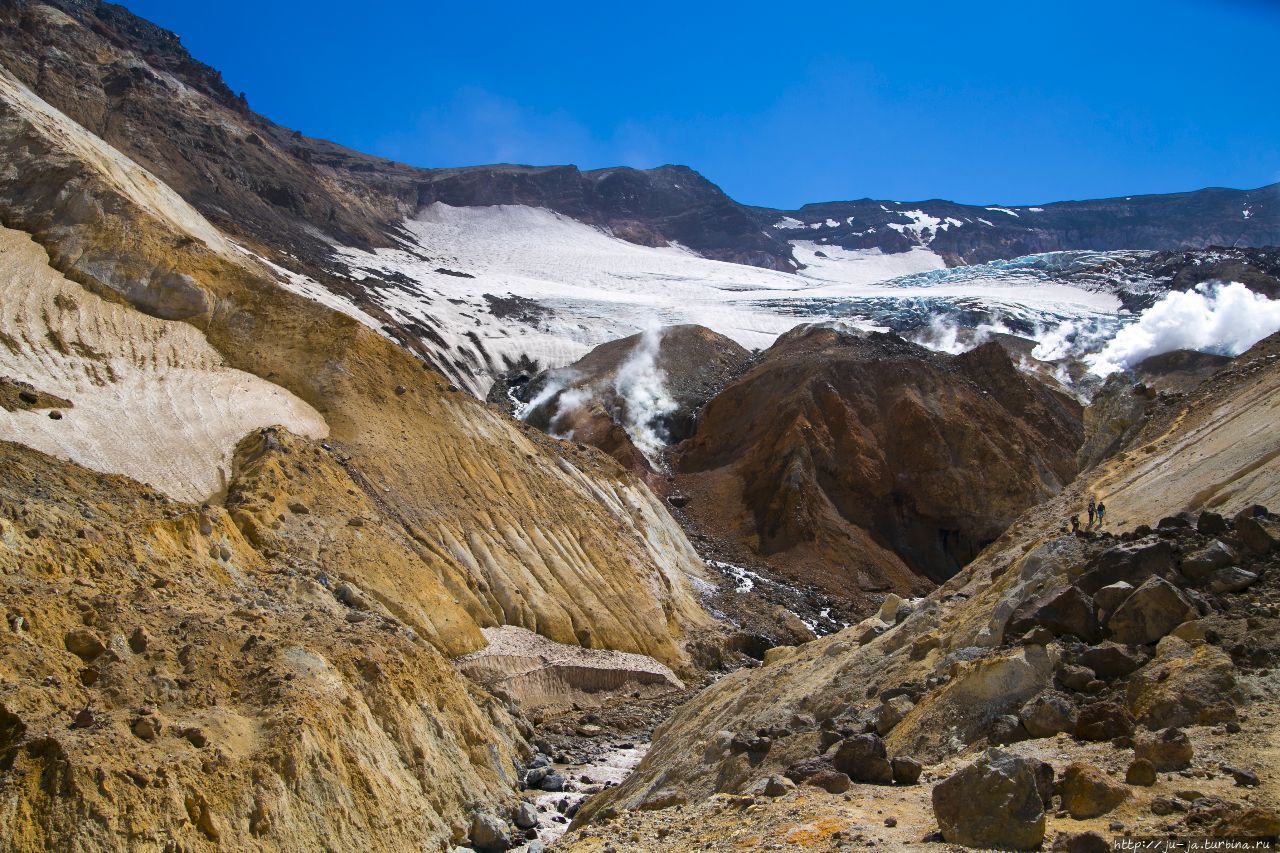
638, 399
946, 335
641, 387
1219, 318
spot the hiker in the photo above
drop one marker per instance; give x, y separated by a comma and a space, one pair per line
1075, 524
1102, 510
1093, 508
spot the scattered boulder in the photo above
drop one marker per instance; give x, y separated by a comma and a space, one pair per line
992, 803
84, 644
906, 771
1231, 579
777, 786
1006, 729
1110, 660
1211, 524
1141, 772
1201, 563
488, 834
1104, 721
1132, 562
1153, 610
139, 640
1182, 686
1243, 778
890, 713
808, 767
864, 759
1259, 532
1167, 750
1112, 596
831, 781
1047, 715
147, 727
1163, 806
1064, 611
1077, 678
1088, 792
526, 815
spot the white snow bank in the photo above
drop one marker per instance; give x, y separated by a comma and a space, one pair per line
151, 398
1220, 318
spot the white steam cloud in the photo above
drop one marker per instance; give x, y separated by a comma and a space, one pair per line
638, 403
641, 387
945, 335
1219, 318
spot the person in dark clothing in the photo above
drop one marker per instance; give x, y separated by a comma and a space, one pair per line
1075, 524
1093, 508
1102, 511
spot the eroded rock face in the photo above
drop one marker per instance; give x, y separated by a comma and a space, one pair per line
816, 458
992, 803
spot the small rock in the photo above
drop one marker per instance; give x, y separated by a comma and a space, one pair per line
777, 786
906, 771
1080, 842
588, 730
890, 713
139, 640
299, 508
1199, 564
1112, 596
1163, 806
84, 644
400, 389
1088, 792
1110, 660
1006, 729
1244, 778
1211, 524
147, 727
831, 781
1047, 715
1167, 750
552, 782
891, 822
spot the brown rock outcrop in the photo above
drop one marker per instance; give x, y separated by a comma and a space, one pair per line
866, 463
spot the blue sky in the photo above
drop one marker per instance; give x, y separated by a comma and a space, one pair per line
782, 103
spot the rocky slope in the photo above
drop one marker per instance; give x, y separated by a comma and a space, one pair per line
1156, 644
867, 463
364, 558
973, 234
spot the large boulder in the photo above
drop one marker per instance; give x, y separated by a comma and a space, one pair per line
1259, 531
865, 759
1064, 611
1111, 596
1104, 721
1088, 792
1131, 562
1047, 715
1154, 609
1199, 564
993, 803
489, 834
1184, 685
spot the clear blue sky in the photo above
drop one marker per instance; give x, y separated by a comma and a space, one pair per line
782, 103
